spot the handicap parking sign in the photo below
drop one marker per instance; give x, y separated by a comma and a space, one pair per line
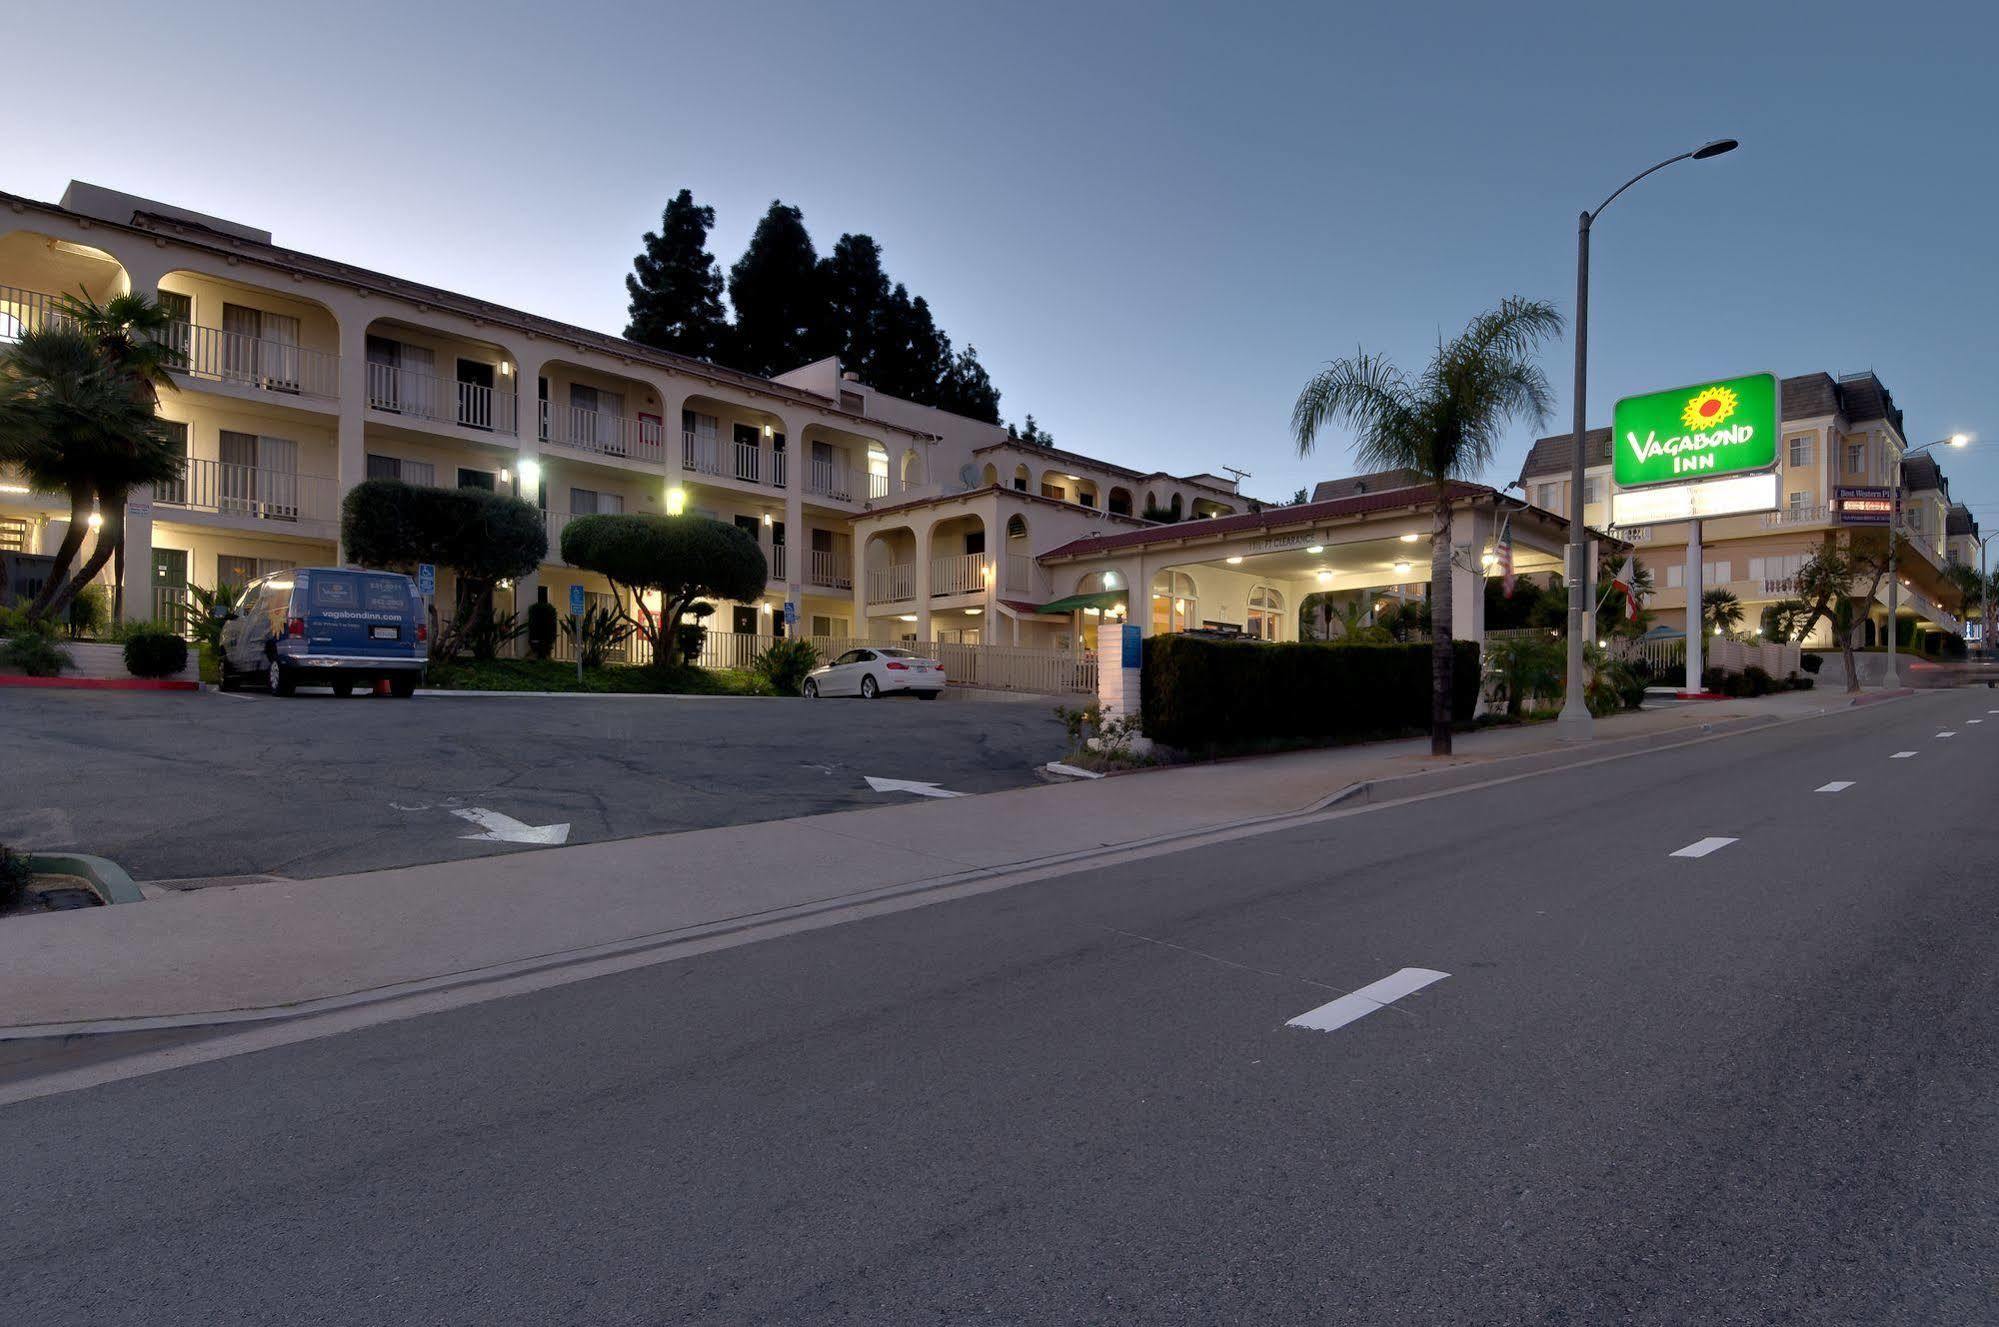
791, 612
576, 601
426, 578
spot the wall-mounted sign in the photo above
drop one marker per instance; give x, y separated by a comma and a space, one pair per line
1727, 426
1735, 495
1863, 506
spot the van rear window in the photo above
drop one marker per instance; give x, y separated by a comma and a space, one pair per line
386, 594
333, 592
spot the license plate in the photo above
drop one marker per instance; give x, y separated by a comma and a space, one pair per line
385, 633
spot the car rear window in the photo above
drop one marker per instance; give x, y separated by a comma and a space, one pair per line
334, 592
386, 594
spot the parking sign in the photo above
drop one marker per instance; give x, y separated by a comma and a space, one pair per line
791, 612
426, 578
576, 601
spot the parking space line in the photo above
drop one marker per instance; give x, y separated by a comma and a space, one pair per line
1902, 755
1375, 995
1951, 733
1974, 721
1836, 786
1702, 847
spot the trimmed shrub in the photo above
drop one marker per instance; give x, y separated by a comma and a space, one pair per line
1811, 663
542, 620
30, 645
1758, 680
155, 653
89, 612
784, 665
1199, 693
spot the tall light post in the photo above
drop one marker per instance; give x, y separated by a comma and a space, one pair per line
1574, 724
1985, 599
1894, 523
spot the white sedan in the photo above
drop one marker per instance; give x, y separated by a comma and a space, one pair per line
876, 672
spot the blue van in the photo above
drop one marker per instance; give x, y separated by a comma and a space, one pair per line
326, 626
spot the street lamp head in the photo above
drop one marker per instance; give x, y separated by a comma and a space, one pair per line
1714, 149
1960, 439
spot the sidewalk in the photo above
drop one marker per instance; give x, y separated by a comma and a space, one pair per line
270, 947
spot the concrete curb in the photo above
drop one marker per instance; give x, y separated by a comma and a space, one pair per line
105, 875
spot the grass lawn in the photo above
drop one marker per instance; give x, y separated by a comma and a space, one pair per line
549, 675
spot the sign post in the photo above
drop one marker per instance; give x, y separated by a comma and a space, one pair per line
576, 613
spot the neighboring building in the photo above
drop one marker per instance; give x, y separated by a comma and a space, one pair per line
1836, 433
306, 375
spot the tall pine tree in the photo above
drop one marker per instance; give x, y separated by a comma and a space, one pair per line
857, 297
966, 390
675, 287
780, 304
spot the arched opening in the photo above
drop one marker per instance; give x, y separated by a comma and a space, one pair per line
1119, 502
1022, 478
41, 269
1266, 612
1086, 493
877, 470
888, 562
421, 373
1175, 606
959, 563
989, 476
249, 336
913, 475
1206, 508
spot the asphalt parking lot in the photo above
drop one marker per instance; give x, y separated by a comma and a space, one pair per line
203, 787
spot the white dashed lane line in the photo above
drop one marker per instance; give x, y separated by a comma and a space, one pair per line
1836, 786
1375, 995
1950, 733
1702, 847
1902, 755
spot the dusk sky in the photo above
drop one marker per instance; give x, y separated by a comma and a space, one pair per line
1154, 221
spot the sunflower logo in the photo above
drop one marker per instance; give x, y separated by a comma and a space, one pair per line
1709, 407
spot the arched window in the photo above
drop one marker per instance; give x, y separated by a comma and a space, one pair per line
990, 475
1119, 502
1266, 613
1021, 478
1016, 526
1174, 607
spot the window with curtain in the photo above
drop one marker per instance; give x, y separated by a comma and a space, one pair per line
1801, 450
1174, 606
1266, 612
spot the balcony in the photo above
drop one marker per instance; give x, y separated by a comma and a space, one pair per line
828, 571
1023, 575
700, 453
280, 367
892, 584
248, 490
774, 555
24, 311
965, 573
582, 429
1793, 516
877, 485
424, 396
830, 479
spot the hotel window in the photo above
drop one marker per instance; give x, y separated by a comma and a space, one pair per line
240, 571
1266, 612
260, 347
395, 467
476, 479
1799, 500
1715, 573
1593, 489
1676, 575
257, 476
828, 626
1801, 450
174, 490
1856, 458
1174, 606
1544, 496
589, 502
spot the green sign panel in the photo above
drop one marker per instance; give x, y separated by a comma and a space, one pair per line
1711, 429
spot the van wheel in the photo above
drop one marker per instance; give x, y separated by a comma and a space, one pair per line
868, 688
227, 679
280, 680
402, 686
343, 688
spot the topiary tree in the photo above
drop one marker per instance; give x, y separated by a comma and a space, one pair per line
483, 538
678, 558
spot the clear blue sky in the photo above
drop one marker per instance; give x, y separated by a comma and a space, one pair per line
1154, 221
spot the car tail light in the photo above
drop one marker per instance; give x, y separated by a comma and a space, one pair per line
898, 666
295, 627
422, 631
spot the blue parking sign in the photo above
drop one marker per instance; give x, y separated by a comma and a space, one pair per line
791, 612
576, 601
426, 578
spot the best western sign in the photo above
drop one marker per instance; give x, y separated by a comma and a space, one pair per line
1725, 427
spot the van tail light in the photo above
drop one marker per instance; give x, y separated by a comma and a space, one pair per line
295, 627
422, 631
898, 667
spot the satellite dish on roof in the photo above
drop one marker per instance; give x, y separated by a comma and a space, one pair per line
968, 475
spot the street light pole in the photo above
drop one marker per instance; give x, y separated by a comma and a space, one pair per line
1574, 723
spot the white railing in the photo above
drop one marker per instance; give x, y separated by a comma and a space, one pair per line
247, 490
1780, 585
966, 573
830, 479
894, 582
273, 366
1773, 520
829, 570
777, 464
586, 430
749, 458
425, 396
1023, 573
877, 485
1008, 667
774, 555
25, 311
700, 453
554, 522
1660, 654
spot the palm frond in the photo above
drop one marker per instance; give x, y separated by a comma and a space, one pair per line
1365, 391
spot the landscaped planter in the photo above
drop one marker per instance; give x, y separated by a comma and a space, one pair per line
97, 665
69, 880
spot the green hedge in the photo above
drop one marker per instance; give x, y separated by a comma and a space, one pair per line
1199, 693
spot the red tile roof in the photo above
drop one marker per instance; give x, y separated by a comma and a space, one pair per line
1269, 518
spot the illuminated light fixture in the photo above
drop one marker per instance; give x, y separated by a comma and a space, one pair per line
1488, 557
1092, 612
1409, 538
1110, 581
1401, 568
1960, 439
676, 500
96, 522
1325, 578
973, 612
506, 475
767, 430
1179, 605
1234, 561
906, 617
530, 470
1717, 631
1315, 549
764, 608
503, 585
1602, 644
985, 572
506, 369
767, 520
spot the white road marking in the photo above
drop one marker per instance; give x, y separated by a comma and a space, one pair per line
1974, 721
1951, 733
506, 829
909, 786
1702, 847
1902, 755
1836, 786
1077, 772
1338, 1013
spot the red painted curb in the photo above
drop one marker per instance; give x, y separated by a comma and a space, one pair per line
99, 683
1699, 695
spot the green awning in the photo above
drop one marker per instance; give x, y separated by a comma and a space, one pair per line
1101, 599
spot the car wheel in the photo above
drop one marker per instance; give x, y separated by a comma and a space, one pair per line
280, 679
343, 688
227, 677
402, 686
868, 689
927, 695
811, 689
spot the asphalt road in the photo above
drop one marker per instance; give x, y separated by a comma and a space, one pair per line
173, 786
1748, 1087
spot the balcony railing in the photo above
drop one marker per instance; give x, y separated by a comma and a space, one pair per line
553, 522
749, 459
829, 570
777, 466
700, 453
1022, 574
582, 429
248, 490
1814, 515
24, 311
774, 555
965, 573
887, 585
253, 361
468, 404
877, 485
1780, 585
830, 479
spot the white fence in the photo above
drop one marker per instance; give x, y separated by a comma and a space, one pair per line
1736, 655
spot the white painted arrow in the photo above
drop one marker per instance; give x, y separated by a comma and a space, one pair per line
506, 829
909, 786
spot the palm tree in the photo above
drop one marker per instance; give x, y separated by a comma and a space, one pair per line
1826, 581
1721, 612
1445, 424
1783, 620
133, 336
65, 420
